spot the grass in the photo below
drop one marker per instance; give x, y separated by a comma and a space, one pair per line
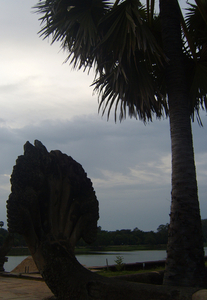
124, 272
108, 273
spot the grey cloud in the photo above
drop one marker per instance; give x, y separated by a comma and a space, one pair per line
98, 145
125, 161
11, 11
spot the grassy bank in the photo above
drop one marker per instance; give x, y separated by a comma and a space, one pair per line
109, 273
85, 250
124, 272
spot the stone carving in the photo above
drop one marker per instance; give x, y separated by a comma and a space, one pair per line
53, 205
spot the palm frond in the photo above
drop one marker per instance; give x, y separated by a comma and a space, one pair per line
136, 96
150, 11
73, 23
196, 68
198, 83
196, 25
117, 40
201, 5
189, 40
127, 54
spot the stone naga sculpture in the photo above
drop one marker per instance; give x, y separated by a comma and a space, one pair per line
53, 204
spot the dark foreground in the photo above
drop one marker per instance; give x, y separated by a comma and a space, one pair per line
30, 285
16, 288
33, 287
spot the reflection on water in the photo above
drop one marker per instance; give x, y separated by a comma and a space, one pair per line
95, 259
90, 260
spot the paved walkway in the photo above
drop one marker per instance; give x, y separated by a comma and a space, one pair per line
17, 288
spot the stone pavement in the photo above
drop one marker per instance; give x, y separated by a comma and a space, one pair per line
14, 288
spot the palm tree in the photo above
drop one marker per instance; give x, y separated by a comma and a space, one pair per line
145, 66
185, 257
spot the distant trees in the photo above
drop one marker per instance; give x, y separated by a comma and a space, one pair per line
3, 234
130, 237
18, 239
136, 236
118, 237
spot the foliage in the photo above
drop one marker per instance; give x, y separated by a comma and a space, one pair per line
18, 239
3, 234
117, 42
195, 51
109, 273
119, 262
19, 251
118, 237
122, 41
129, 237
136, 236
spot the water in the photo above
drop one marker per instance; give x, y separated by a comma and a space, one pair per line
13, 261
94, 259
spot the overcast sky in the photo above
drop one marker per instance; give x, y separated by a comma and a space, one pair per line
42, 98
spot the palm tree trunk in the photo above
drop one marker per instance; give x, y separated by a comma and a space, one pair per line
185, 255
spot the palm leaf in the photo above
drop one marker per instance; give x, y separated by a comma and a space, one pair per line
196, 69
127, 52
201, 4
198, 88
116, 39
196, 25
138, 94
150, 11
74, 23
187, 35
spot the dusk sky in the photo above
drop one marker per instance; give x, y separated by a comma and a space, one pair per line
42, 98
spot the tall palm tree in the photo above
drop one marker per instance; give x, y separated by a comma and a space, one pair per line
185, 257
145, 66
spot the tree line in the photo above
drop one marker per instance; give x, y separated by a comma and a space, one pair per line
129, 237
117, 237
136, 236
18, 239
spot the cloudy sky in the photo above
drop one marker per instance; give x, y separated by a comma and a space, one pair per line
42, 98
